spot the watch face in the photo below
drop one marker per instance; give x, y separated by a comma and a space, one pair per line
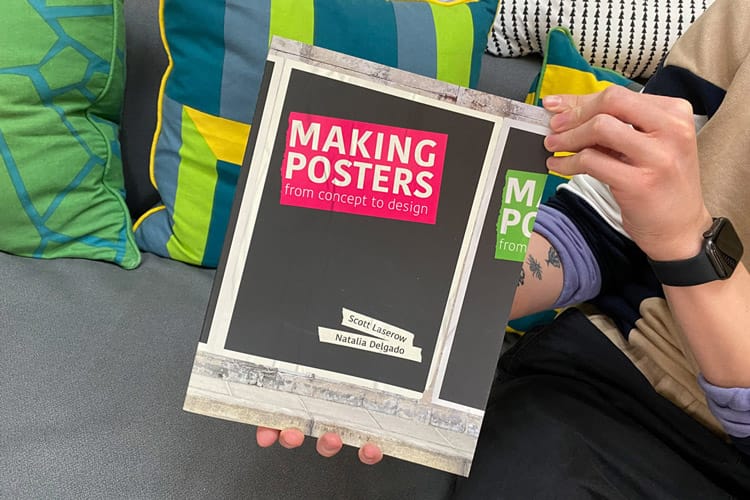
724, 249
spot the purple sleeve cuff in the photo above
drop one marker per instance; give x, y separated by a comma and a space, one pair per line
731, 406
582, 279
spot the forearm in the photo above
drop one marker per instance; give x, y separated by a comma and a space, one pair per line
715, 319
714, 316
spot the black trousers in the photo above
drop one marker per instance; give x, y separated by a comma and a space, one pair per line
570, 417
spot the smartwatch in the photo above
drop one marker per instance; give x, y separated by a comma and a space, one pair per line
719, 255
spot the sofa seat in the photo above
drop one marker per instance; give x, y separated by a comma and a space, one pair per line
95, 360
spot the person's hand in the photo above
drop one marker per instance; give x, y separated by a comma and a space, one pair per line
644, 148
328, 445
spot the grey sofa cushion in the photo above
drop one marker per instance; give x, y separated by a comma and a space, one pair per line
95, 362
508, 77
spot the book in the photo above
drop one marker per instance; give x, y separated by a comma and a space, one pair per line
373, 251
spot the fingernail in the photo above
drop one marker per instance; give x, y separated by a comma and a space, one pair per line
551, 101
549, 142
558, 121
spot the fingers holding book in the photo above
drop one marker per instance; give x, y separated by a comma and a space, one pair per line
328, 444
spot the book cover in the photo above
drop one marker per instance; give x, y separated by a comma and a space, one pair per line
374, 249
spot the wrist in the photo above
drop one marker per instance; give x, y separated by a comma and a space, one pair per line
686, 245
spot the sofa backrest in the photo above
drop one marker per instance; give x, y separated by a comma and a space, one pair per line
146, 62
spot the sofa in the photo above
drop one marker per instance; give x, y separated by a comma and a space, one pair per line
95, 359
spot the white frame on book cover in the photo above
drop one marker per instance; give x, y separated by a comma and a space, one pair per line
248, 211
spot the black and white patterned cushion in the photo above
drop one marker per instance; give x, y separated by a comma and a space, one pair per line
629, 36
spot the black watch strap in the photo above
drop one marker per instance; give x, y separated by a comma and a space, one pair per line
688, 272
721, 251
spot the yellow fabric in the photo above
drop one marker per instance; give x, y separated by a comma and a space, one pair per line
562, 80
226, 138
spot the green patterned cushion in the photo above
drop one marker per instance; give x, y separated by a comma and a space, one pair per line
61, 88
218, 49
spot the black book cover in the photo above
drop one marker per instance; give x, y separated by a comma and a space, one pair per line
374, 249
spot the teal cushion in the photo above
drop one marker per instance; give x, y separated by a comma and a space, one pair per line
218, 50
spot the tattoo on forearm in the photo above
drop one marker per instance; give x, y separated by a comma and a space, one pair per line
521, 278
553, 258
535, 267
